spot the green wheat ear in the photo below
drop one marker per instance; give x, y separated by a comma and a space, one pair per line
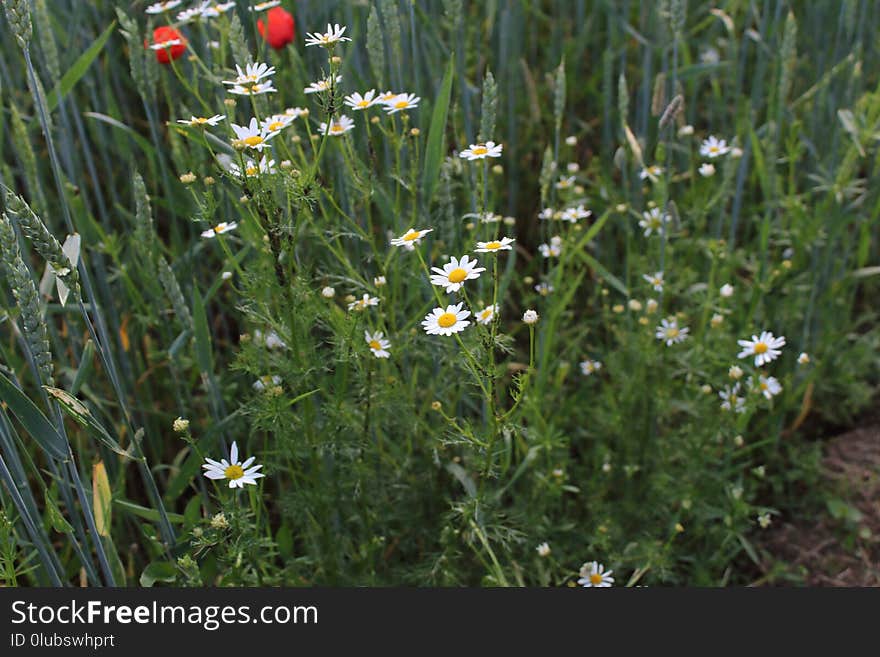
25, 292
19, 16
44, 242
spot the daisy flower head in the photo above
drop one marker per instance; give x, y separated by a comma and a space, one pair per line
651, 173
201, 121
765, 348
482, 151
487, 314
161, 7
730, 399
359, 102
251, 168
253, 88
277, 122
337, 127
543, 549
804, 358
455, 272
768, 386
219, 229
565, 182
530, 317
655, 279
572, 215
168, 44
263, 6
410, 238
714, 147
251, 73
363, 303
322, 85
589, 367
252, 135
190, 14
378, 344
401, 102
452, 319
707, 169
654, 221
671, 332
594, 575
552, 250
726, 290
504, 244
238, 473
549, 213
544, 289
209, 10
328, 39
266, 382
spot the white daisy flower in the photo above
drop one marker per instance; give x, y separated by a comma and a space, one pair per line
549, 213
296, 112
253, 89
378, 344
446, 322
161, 7
209, 10
277, 122
572, 215
410, 238
651, 173
552, 250
263, 6
482, 151
764, 520
237, 473
252, 135
328, 292
594, 575
161, 45
707, 169
487, 314
189, 14
589, 367
504, 244
768, 386
331, 37
251, 73
765, 348
455, 272
530, 317
543, 549
379, 281
655, 279
337, 127
358, 102
654, 221
713, 147
363, 303
219, 229
544, 289
730, 399
322, 85
251, 168
565, 182
401, 102
200, 121
671, 332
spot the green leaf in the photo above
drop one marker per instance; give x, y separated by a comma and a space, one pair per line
32, 418
79, 412
203, 336
145, 145
158, 571
102, 498
79, 68
434, 150
147, 514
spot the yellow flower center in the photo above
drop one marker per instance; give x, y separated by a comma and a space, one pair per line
401, 104
363, 103
486, 314
254, 88
200, 120
672, 332
760, 348
219, 228
763, 385
276, 125
336, 128
251, 171
411, 235
457, 275
446, 320
493, 245
375, 346
595, 579
252, 141
234, 472
479, 150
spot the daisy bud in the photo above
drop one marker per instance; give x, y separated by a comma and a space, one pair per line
617, 308
543, 550
470, 225
735, 372
620, 207
686, 504
738, 441
349, 298
686, 131
379, 281
415, 132
509, 221
244, 199
679, 528
707, 170
375, 120
760, 471
336, 59
571, 140
219, 521
786, 264
208, 180
198, 532
497, 169
528, 280
804, 358
726, 290
188, 178
229, 102
530, 317
316, 137
716, 320
643, 321
579, 189
244, 338
559, 473
296, 139
606, 467
573, 167
436, 405
180, 425
736, 152
226, 275
328, 292
635, 305
651, 306
706, 389
764, 520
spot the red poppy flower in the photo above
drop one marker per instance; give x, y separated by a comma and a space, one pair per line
279, 29
164, 34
